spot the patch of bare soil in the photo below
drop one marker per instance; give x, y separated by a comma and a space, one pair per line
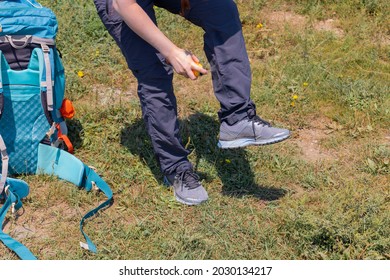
38, 223
329, 25
388, 138
278, 20
384, 40
281, 19
309, 141
107, 96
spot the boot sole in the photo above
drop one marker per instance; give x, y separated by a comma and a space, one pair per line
188, 202
244, 142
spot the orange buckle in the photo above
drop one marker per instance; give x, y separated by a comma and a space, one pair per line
65, 139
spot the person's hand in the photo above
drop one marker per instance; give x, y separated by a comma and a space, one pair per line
185, 63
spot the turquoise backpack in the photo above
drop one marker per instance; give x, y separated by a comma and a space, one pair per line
32, 84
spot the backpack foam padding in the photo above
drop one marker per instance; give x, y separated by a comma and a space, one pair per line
23, 123
18, 59
18, 187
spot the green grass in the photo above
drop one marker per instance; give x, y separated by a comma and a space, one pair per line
323, 194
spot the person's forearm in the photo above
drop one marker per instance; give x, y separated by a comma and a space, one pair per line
135, 17
140, 23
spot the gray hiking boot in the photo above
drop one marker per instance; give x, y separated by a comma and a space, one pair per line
254, 131
186, 187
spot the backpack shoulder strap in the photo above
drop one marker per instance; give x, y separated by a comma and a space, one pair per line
13, 193
12, 190
4, 66
54, 161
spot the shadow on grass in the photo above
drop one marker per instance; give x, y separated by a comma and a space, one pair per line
232, 166
75, 132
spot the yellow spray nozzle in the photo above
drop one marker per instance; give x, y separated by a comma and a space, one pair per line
197, 73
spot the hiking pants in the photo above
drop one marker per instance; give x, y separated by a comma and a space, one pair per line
225, 50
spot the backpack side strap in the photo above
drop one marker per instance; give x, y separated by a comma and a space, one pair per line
93, 181
14, 192
54, 161
49, 80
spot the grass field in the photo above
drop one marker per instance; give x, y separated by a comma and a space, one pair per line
320, 68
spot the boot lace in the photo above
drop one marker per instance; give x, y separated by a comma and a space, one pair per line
257, 119
189, 179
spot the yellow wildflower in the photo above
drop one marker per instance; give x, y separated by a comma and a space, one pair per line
295, 97
305, 84
292, 103
80, 74
97, 53
259, 25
